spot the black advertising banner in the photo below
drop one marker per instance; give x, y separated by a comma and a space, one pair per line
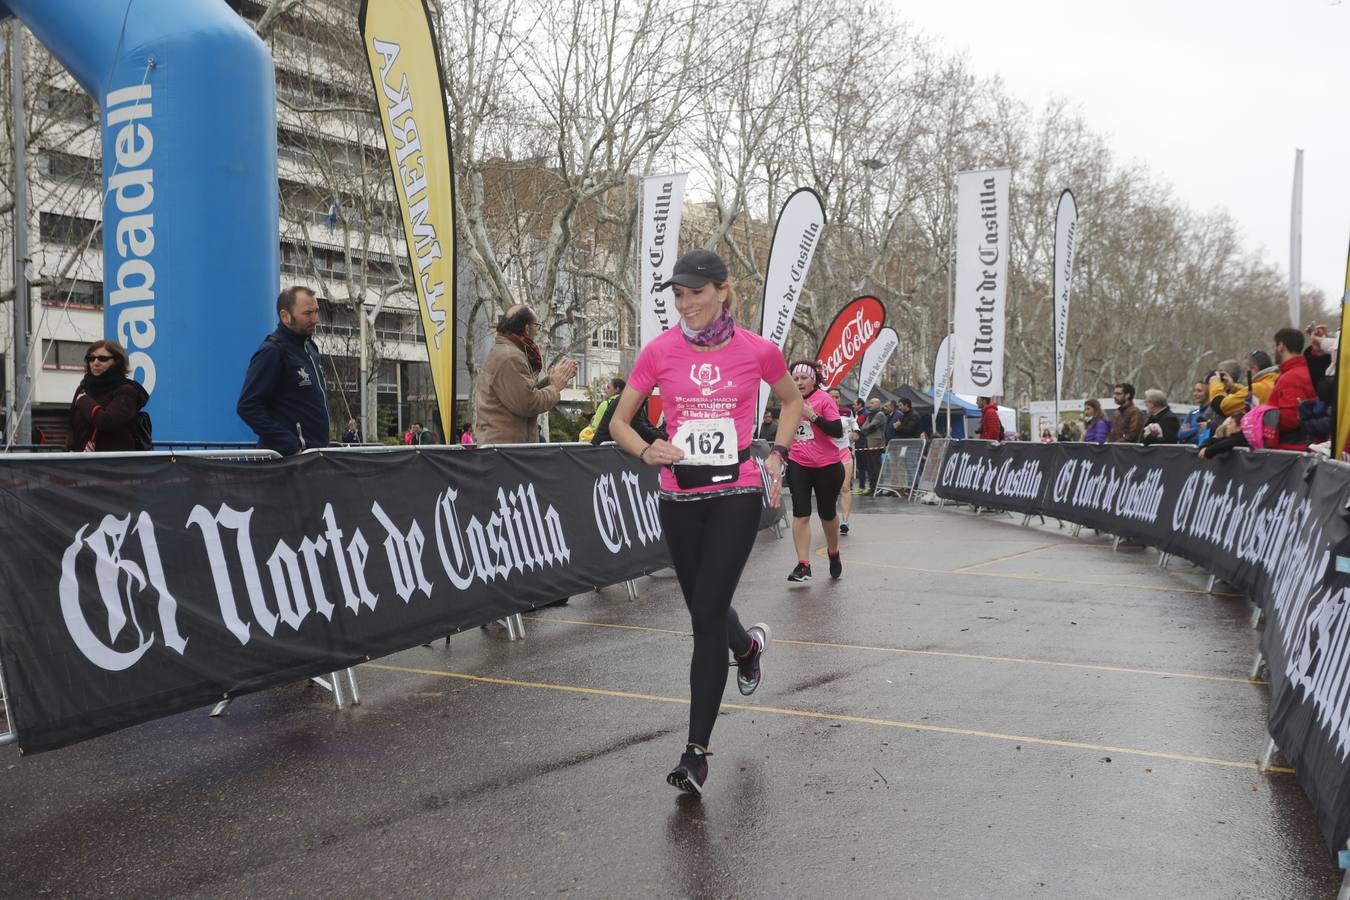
1272, 524
132, 588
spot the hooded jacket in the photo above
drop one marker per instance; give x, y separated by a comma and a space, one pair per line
1233, 404
1293, 387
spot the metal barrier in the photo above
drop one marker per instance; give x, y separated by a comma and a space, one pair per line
931, 470
900, 466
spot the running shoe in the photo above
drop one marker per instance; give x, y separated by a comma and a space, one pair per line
802, 572
748, 673
691, 771
843, 528
836, 565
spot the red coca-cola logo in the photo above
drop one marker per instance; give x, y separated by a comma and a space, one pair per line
852, 332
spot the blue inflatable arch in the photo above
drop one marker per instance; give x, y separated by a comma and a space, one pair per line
190, 249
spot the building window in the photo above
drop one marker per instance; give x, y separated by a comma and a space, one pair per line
79, 169
606, 337
64, 356
67, 104
74, 230
81, 294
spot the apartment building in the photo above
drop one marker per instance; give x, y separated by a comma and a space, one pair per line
339, 231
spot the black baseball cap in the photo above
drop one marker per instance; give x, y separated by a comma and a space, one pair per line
696, 268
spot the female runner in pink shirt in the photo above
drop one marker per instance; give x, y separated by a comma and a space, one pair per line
814, 468
709, 371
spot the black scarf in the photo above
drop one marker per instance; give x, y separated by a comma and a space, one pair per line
105, 383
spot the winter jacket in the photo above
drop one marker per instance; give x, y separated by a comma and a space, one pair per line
1192, 427
907, 425
107, 413
1167, 421
1292, 388
1096, 432
1235, 403
1127, 425
510, 397
641, 424
991, 427
284, 389
874, 429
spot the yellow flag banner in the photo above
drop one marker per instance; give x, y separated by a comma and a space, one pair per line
1343, 371
406, 69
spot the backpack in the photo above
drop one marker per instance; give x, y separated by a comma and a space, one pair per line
1261, 426
142, 431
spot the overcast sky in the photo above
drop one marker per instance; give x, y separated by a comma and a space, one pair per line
1212, 96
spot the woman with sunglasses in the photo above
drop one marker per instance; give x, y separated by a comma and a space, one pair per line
104, 412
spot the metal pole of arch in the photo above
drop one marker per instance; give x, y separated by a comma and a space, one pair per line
21, 422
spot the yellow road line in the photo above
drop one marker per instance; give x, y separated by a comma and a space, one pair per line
840, 717
1072, 581
834, 645
1010, 556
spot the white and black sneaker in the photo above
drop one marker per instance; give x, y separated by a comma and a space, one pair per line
691, 771
801, 573
748, 671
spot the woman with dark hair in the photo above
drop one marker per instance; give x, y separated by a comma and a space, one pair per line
709, 370
103, 415
1095, 426
814, 469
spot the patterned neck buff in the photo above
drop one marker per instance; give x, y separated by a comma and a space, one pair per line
719, 332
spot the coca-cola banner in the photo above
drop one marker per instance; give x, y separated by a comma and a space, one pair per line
662, 202
853, 330
1271, 524
981, 281
874, 360
132, 588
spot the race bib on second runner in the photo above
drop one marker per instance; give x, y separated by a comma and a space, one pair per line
706, 442
803, 432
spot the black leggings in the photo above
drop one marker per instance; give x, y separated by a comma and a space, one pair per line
824, 482
709, 542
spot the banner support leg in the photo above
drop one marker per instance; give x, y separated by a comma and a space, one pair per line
1213, 579
351, 683
219, 709
1264, 763
632, 590
1258, 616
1257, 665
1164, 559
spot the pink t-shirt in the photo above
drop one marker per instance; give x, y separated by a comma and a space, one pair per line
811, 446
721, 383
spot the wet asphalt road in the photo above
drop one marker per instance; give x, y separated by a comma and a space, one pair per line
975, 710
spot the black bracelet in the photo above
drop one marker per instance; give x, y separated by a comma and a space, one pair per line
642, 457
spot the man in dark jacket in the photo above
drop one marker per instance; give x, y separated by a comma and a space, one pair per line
907, 423
1162, 425
284, 398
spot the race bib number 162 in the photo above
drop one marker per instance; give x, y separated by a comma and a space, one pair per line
706, 442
